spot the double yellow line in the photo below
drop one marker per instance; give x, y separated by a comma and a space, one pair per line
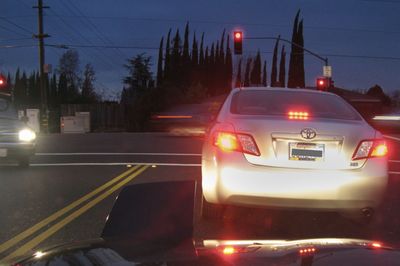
126, 177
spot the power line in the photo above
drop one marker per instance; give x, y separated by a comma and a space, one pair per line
17, 46
12, 31
82, 37
86, 39
66, 46
365, 57
16, 25
219, 22
15, 39
101, 35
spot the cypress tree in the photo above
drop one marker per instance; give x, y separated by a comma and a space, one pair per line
195, 74
167, 63
18, 90
217, 54
247, 73
222, 44
24, 88
62, 88
160, 63
228, 67
185, 52
212, 62
264, 81
255, 76
195, 52
206, 70
238, 81
201, 56
185, 61
300, 62
53, 94
274, 70
31, 89
176, 63
293, 65
221, 68
282, 68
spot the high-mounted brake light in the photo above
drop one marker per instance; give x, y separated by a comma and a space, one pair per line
229, 141
307, 251
298, 115
370, 148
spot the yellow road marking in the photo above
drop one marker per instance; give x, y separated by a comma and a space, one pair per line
13, 241
46, 234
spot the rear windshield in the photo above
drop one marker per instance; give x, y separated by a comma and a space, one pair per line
280, 103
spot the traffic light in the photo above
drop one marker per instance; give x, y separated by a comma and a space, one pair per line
323, 83
3, 81
238, 42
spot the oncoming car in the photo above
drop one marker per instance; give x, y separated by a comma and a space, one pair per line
293, 149
17, 141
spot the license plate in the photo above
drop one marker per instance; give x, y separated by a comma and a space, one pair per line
306, 151
3, 153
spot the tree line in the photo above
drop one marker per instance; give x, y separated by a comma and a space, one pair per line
188, 70
67, 85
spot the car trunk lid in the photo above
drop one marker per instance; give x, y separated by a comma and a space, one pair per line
285, 143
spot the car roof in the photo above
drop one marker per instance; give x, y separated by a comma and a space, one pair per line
280, 89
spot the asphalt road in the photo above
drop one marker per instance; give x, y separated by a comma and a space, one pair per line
67, 193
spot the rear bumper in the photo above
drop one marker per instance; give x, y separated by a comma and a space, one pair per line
231, 179
17, 150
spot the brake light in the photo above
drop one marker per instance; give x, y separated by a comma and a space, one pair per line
376, 245
380, 150
370, 148
229, 141
229, 250
298, 115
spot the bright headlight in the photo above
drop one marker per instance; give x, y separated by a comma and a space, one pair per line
27, 135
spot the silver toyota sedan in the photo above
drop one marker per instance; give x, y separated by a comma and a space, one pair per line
293, 149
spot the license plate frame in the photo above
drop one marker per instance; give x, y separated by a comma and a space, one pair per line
303, 151
3, 153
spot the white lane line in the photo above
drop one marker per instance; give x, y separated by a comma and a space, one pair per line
113, 164
114, 154
390, 137
394, 173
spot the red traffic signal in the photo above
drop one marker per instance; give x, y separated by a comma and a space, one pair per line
3, 81
323, 83
238, 42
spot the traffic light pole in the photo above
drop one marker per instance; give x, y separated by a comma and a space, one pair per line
43, 91
325, 60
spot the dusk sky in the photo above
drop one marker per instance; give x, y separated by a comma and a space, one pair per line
360, 37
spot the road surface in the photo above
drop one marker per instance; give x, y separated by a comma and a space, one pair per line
68, 191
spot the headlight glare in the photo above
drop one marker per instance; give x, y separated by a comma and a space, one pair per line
27, 135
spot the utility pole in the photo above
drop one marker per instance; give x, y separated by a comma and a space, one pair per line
43, 90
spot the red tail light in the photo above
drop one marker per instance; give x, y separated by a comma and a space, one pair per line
370, 148
229, 141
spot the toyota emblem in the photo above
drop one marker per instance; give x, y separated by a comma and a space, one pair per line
308, 133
